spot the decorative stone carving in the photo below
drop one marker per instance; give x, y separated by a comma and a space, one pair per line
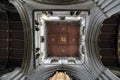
60, 76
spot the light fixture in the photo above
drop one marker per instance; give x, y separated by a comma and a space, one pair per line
44, 16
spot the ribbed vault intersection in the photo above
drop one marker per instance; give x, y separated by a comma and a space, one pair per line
92, 67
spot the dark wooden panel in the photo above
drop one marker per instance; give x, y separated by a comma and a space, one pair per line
111, 20
3, 43
74, 39
52, 27
13, 16
16, 25
52, 50
4, 53
4, 25
73, 28
106, 44
108, 52
14, 62
11, 36
14, 53
62, 27
3, 61
106, 36
73, 50
109, 28
3, 16
19, 44
109, 61
58, 51
52, 39
17, 34
3, 56
3, 34
107, 41
62, 51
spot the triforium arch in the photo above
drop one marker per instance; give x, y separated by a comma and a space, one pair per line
27, 33
101, 10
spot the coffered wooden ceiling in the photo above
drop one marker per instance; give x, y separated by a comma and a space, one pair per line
11, 39
63, 39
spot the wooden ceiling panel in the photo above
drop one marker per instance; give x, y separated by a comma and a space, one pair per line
3, 34
11, 39
18, 44
3, 16
17, 34
63, 40
4, 25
